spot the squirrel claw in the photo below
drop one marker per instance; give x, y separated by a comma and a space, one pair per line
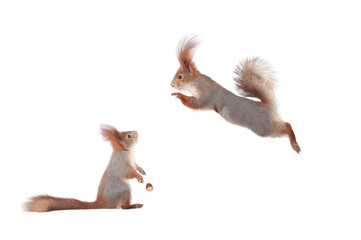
140, 179
178, 95
296, 147
138, 205
141, 171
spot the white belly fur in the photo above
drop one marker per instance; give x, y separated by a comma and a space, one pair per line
132, 158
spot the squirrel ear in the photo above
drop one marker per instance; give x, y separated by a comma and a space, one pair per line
188, 67
111, 134
120, 139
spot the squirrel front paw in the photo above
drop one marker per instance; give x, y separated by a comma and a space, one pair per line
178, 95
141, 171
140, 179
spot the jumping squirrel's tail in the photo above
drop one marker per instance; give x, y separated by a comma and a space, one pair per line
46, 203
255, 79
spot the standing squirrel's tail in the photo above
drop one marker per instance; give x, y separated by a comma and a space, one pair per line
255, 79
48, 203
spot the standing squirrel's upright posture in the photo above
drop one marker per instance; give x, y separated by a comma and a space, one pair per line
254, 79
114, 191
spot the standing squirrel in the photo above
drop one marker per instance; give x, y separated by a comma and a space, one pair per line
114, 191
254, 79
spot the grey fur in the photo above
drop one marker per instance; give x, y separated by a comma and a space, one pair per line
114, 191
235, 109
113, 187
254, 79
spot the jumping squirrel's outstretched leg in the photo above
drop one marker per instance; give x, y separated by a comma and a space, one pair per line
286, 129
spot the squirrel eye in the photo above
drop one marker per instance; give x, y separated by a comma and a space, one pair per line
129, 136
180, 76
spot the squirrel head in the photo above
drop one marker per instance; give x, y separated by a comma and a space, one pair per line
119, 140
188, 70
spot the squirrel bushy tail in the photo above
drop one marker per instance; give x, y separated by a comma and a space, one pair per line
255, 79
46, 203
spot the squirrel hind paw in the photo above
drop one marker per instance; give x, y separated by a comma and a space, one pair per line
296, 147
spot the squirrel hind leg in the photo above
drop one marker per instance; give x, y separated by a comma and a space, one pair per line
125, 203
284, 128
131, 206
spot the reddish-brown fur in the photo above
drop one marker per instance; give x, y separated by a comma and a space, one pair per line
185, 55
254, 79
286, 129
113, 135
46, 203
127, 205
186, 100
215, 108
134, 174
120, 142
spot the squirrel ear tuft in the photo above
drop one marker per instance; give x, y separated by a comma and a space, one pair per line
186, 49
111, 134
107, 131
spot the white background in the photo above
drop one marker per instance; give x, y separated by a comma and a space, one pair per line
68, 66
